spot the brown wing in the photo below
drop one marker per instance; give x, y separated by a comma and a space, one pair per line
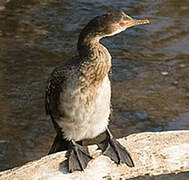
54, 85
53, 91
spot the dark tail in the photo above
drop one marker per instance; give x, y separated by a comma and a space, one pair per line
59, 144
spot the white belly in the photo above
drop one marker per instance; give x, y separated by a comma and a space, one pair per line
85, 121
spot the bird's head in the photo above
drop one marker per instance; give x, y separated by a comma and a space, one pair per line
110, 24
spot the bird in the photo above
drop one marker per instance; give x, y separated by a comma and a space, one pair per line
78, 94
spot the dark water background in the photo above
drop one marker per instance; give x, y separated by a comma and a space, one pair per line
150, 74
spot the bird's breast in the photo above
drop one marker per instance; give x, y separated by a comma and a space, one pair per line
86, 113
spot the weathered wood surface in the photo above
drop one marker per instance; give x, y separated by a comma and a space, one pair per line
153, 154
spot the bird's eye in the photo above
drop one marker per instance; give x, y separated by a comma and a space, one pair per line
121, 24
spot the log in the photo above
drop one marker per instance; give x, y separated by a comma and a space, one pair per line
153, 153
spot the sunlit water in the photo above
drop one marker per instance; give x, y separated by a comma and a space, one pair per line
150, 73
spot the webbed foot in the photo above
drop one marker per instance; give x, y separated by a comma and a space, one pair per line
115, 151
78, 157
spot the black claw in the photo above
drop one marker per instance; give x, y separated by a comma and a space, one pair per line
123, 154
73, 163
110, 152
115, 151
78, 157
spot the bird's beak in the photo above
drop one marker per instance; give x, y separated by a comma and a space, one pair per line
135, 22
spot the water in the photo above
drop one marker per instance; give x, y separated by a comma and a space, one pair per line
150, 83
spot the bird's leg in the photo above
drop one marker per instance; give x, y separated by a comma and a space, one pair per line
60, 144
78, 157
115, 151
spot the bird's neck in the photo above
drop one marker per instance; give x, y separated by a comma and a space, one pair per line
89, 47
96, 58
85, 44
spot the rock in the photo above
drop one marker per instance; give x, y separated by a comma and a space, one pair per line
153, 153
